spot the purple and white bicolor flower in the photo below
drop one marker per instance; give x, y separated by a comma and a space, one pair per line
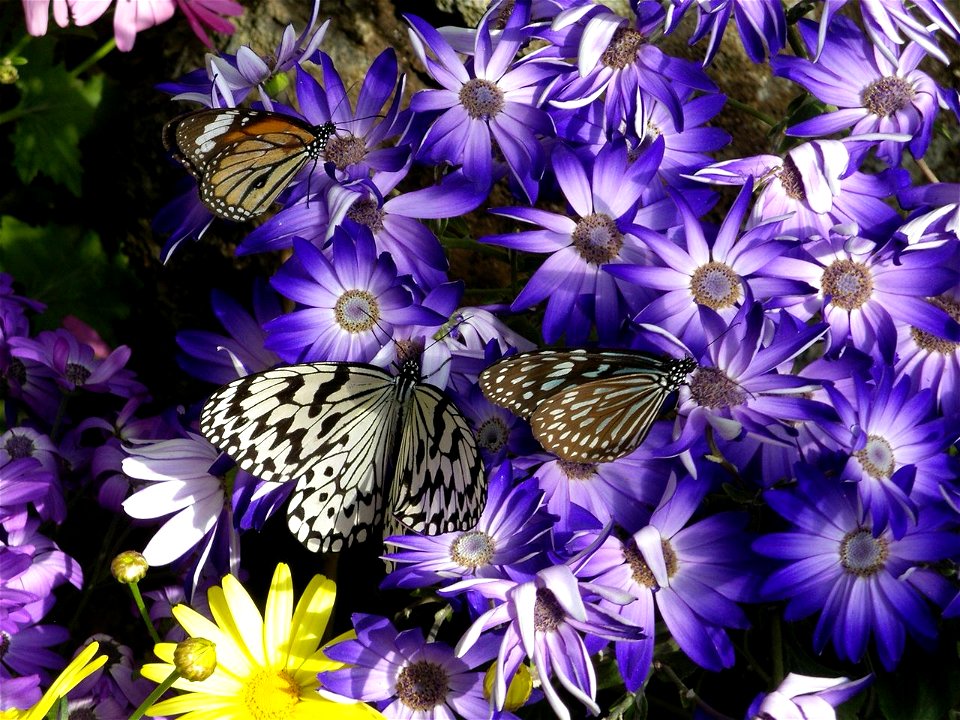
546, 620
872, 94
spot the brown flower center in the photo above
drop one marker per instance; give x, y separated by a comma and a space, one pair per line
344, 151
547, 612
356, 311
622, 49
848, 282
790, 179
481, 99
422, 686
492, 434
715, 285
711, 388
597, 239
366, 212
642, 574
887, 96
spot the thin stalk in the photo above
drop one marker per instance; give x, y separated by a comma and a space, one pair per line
750, 110
97, 55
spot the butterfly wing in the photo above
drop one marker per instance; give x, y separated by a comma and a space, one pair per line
522, 382
602, 420
439, 484
242, 159
330, 426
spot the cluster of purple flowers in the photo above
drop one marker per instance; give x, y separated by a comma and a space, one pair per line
808, 460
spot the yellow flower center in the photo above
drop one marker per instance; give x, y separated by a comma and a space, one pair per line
271, 695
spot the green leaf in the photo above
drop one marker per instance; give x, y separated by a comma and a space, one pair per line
54, 113
67, 269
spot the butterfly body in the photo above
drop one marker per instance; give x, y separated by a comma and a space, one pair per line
586, 406
358, 442
243, 159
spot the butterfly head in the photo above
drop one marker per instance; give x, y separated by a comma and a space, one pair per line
679, 371
322, 133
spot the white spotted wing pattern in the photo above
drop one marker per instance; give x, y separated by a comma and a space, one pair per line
343, 432
583, 405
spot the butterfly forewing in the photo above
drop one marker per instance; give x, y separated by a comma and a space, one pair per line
330, 426
342, 430
243, 159
586, 406
439, 486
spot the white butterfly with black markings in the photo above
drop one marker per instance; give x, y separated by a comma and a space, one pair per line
586, 406
343, 431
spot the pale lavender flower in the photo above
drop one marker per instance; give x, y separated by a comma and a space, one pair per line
931, 360
546, 619
179, 484
803, 697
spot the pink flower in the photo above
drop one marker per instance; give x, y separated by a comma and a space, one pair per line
129, 17
201, 13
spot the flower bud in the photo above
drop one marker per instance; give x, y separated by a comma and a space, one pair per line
195, 658
129, 567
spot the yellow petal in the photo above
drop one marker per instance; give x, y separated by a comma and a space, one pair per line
277, 614
237, 614
311, 617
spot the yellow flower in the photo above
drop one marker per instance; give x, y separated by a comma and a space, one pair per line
266, 668
79, 668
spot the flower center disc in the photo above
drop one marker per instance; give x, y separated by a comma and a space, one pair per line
887, 96
365, 212
492, 434
422, 685
356, 311
472, 549
344, 151
597, 239
933, 343
876, 457
711, 388
481, 99
715, 285
271, 695
791, 181
848, 282
622, 49
862, 554
547, 613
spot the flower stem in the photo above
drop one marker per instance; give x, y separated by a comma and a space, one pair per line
138, 599
687, 694
752, 111
98, 55
155, 695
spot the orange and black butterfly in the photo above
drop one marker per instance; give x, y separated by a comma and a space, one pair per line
242, 159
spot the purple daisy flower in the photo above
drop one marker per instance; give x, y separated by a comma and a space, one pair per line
930, 360
873, 94
354, 150
24, 481
494, 100
814, 187
692, 574
761, 24
691, 270
348, 303
936, 213
546, 619
625, 490
572, 280
371, 208
884, 20
76, 365
615, 58
889, 435
834, 562
737, 390
498, 431
511, 530
407, 677
219, 358
866, 291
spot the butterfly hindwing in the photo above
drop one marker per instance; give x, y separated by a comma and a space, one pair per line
439, 486
330, 426
599, 421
